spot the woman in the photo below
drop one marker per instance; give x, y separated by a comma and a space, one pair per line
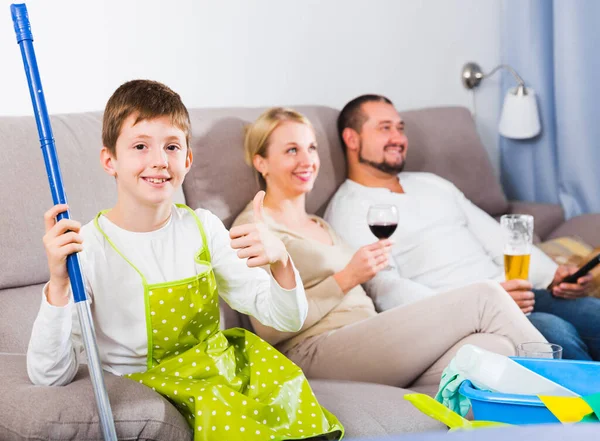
343, 336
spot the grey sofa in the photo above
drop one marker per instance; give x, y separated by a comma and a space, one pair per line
442, 140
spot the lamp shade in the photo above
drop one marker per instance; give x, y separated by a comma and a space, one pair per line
520, 118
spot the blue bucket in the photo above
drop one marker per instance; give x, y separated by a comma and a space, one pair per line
582, 377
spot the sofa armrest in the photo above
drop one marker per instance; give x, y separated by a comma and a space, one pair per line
548, 217
585, 226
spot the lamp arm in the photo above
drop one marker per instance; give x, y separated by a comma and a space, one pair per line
472, 75
508, 68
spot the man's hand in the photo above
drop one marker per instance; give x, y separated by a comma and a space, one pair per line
520, 291
261, 247
569, 290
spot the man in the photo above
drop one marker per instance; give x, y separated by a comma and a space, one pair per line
443, 240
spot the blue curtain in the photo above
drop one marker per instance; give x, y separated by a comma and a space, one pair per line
555, 47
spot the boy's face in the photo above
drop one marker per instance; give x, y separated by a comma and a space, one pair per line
152, 159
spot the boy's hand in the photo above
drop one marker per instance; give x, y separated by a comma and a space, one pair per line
261, 247
61, 239
255, 241
520, 291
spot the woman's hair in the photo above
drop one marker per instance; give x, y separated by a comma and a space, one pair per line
256, 139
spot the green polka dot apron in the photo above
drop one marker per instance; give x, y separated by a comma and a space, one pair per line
229, 385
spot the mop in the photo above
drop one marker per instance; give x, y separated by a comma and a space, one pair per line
25, 40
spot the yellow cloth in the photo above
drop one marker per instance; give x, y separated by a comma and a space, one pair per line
567, 409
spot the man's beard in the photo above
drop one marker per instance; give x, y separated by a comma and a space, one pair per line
392, 169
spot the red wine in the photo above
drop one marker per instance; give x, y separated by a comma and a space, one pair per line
383, 231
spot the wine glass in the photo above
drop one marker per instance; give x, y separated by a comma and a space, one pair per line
383, 221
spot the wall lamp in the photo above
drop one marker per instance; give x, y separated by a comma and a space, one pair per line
520, 118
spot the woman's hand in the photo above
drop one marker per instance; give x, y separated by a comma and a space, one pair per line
364, 265
62, 238
261, 247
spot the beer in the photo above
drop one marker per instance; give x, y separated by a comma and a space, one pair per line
518, 238
516, 266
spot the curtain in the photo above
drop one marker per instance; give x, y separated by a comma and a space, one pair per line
555, 47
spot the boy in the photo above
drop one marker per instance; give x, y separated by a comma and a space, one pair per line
152, 270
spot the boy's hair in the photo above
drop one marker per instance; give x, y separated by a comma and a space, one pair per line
352, 115
257, 134
148, 99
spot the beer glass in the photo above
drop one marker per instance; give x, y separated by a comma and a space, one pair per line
518, 236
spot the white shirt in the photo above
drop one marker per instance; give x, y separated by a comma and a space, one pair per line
116, 293
443, 240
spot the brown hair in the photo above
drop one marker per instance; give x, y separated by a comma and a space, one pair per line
148, 99
256, 140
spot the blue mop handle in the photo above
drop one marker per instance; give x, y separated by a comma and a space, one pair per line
25, 40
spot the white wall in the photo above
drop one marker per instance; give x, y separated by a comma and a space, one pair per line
258, 52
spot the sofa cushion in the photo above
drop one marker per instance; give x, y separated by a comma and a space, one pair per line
584, 226
29, 412
444, 141
220, 180
89, 189
546, 216
18, 310
566, 250
78, 145
371, 409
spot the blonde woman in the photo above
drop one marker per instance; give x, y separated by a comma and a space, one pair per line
343, 336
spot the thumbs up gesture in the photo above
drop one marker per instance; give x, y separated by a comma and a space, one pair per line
256, 243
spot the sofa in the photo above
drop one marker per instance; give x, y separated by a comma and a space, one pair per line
442, 140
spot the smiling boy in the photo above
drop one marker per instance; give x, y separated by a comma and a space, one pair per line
154, 270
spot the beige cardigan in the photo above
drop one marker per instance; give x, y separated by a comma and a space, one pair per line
328, 307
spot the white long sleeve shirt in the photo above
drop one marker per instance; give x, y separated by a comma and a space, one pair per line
116, 293
443, 240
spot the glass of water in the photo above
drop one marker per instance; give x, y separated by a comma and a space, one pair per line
539, 350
